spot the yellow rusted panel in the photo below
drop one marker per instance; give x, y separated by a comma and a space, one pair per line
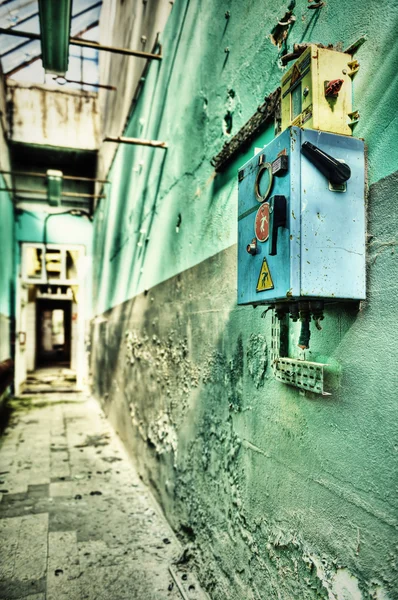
304, 102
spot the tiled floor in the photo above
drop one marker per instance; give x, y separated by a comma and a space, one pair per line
76, 522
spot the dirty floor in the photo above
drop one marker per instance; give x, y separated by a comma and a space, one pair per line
76, 522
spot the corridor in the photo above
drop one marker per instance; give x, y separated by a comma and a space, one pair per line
76, 522
198, 285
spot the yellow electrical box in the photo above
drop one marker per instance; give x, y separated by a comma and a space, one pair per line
317, 91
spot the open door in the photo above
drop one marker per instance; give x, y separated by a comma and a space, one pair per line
20, 335
51, 328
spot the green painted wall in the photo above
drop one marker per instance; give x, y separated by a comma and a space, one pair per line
280, 494
6, 270
6, 254
62, 229
184, 102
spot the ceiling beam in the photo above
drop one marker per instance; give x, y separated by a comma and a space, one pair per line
41, 192
44, 175
87, 44
24, 34
27, 63
36, 14
135, 141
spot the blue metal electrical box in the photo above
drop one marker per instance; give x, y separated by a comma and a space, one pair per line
301, 219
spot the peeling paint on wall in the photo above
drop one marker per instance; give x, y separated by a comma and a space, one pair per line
257, 358
166, 362
279, 494
172, 376
162, 435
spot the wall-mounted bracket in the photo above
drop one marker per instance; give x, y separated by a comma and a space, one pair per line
354, 116
302, 374
354, 66
135, 141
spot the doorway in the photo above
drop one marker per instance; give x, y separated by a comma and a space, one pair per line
50, 341
53, 333
50, 344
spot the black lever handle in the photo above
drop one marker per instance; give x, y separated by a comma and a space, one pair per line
277, 218
335, 171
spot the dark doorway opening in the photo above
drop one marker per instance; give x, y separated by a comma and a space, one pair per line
53, 333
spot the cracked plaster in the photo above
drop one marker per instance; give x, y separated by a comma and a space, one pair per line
279, 494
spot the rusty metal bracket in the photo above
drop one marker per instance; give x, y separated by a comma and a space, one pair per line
265, 114
135, 141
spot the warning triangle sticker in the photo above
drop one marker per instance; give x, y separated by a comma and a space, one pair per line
295, 74
264, 280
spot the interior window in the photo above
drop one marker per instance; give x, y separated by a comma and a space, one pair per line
33, 262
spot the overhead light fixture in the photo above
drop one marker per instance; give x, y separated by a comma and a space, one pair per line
55, 23
54, 187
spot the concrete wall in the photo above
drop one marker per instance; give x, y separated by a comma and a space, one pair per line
279, 494
50, 116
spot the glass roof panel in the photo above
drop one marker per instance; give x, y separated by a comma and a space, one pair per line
22, 15
11, 12
13, 59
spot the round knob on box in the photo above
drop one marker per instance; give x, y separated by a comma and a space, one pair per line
252, 247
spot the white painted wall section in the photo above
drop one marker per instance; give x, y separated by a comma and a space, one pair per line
46, 115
